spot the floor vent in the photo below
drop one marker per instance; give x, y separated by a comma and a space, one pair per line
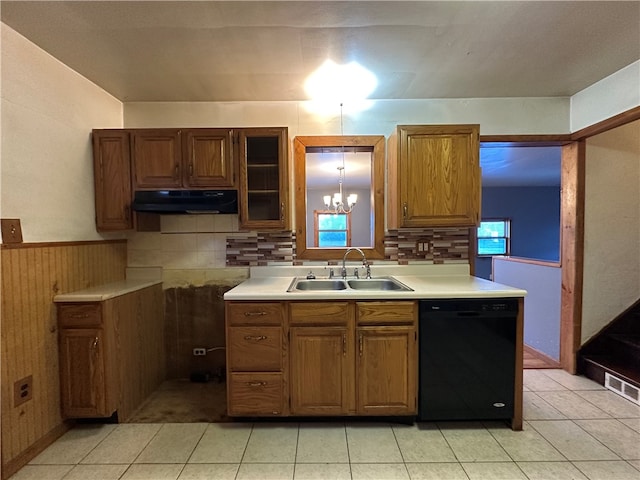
622, 388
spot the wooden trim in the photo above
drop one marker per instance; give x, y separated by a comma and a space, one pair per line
572, 252
542, 357
15, 464
59, 244
531, 261
300, 144
608, 124
526, 140
516, 421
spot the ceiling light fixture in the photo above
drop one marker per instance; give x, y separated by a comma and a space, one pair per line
336, 202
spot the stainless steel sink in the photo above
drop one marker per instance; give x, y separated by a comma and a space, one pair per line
386, 283
370, 284
316, 284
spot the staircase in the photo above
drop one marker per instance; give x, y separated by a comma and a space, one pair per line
612, 357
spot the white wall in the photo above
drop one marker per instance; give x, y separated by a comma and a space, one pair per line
48, 111
612, 226
610, 96
508, 116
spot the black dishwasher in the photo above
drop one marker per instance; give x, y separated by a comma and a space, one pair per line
467, 359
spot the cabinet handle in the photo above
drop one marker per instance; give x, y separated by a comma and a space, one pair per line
257, 338
405, 210
254, 314
282, 211
176, 171
95, 343
344, 344
257, 384
191, 169
80, 315
360, 343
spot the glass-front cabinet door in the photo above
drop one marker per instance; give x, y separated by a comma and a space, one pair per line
264, 179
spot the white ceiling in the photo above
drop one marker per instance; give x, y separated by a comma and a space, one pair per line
263, 51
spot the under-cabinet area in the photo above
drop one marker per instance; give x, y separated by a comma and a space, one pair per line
321, 358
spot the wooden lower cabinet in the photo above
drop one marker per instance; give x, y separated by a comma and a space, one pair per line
85, 390
319, 369
386, 370
259, 394
112, 353
336, 358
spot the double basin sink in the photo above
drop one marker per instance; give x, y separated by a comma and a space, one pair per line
336, 284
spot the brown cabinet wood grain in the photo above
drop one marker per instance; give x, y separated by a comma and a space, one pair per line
208, 158
320, 370
264, 178
434, 176
112, 180
111, 353
256, 357
85, 389
387, 370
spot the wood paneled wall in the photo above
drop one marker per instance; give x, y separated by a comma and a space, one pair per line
31, 275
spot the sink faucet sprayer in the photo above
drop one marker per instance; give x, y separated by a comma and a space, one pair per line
343, 271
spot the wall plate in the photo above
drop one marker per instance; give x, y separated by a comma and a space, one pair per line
11, 230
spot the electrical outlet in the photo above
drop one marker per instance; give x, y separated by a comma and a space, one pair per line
199, 351
11, 230
22, 390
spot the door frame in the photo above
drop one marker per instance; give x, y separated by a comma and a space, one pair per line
572, 198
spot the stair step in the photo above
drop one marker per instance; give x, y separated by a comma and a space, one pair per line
594, 366
629, 339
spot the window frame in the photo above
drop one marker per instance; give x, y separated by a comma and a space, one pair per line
507, 237
316, 230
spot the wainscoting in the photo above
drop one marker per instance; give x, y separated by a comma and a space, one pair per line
32, 274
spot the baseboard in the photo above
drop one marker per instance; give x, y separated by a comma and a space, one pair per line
15, 464
540, 360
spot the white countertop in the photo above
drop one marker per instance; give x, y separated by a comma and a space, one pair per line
105, 291
426, 281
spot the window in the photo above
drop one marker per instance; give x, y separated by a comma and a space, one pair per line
493, 237
332, 229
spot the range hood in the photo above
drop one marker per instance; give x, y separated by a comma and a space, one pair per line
186, 201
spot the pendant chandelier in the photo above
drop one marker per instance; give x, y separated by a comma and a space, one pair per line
337, 203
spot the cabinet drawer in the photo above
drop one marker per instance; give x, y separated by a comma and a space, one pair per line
79, 315
255, 348
378, 313
319, 313
267, 313
255, 394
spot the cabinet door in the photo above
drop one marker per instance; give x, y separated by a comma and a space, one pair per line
82, 373
112, 178
156, 159
386, 370
319, 370
208, 158
263, 178
439, 176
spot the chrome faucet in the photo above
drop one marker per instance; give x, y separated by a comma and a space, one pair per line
343, 271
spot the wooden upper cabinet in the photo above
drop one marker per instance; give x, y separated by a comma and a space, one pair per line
157, 159
434, 176
175, 159
208, 158
264, 181
112, 179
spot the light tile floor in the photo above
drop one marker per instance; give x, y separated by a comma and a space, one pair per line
574, 429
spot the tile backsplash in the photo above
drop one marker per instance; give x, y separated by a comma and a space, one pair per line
215, 242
